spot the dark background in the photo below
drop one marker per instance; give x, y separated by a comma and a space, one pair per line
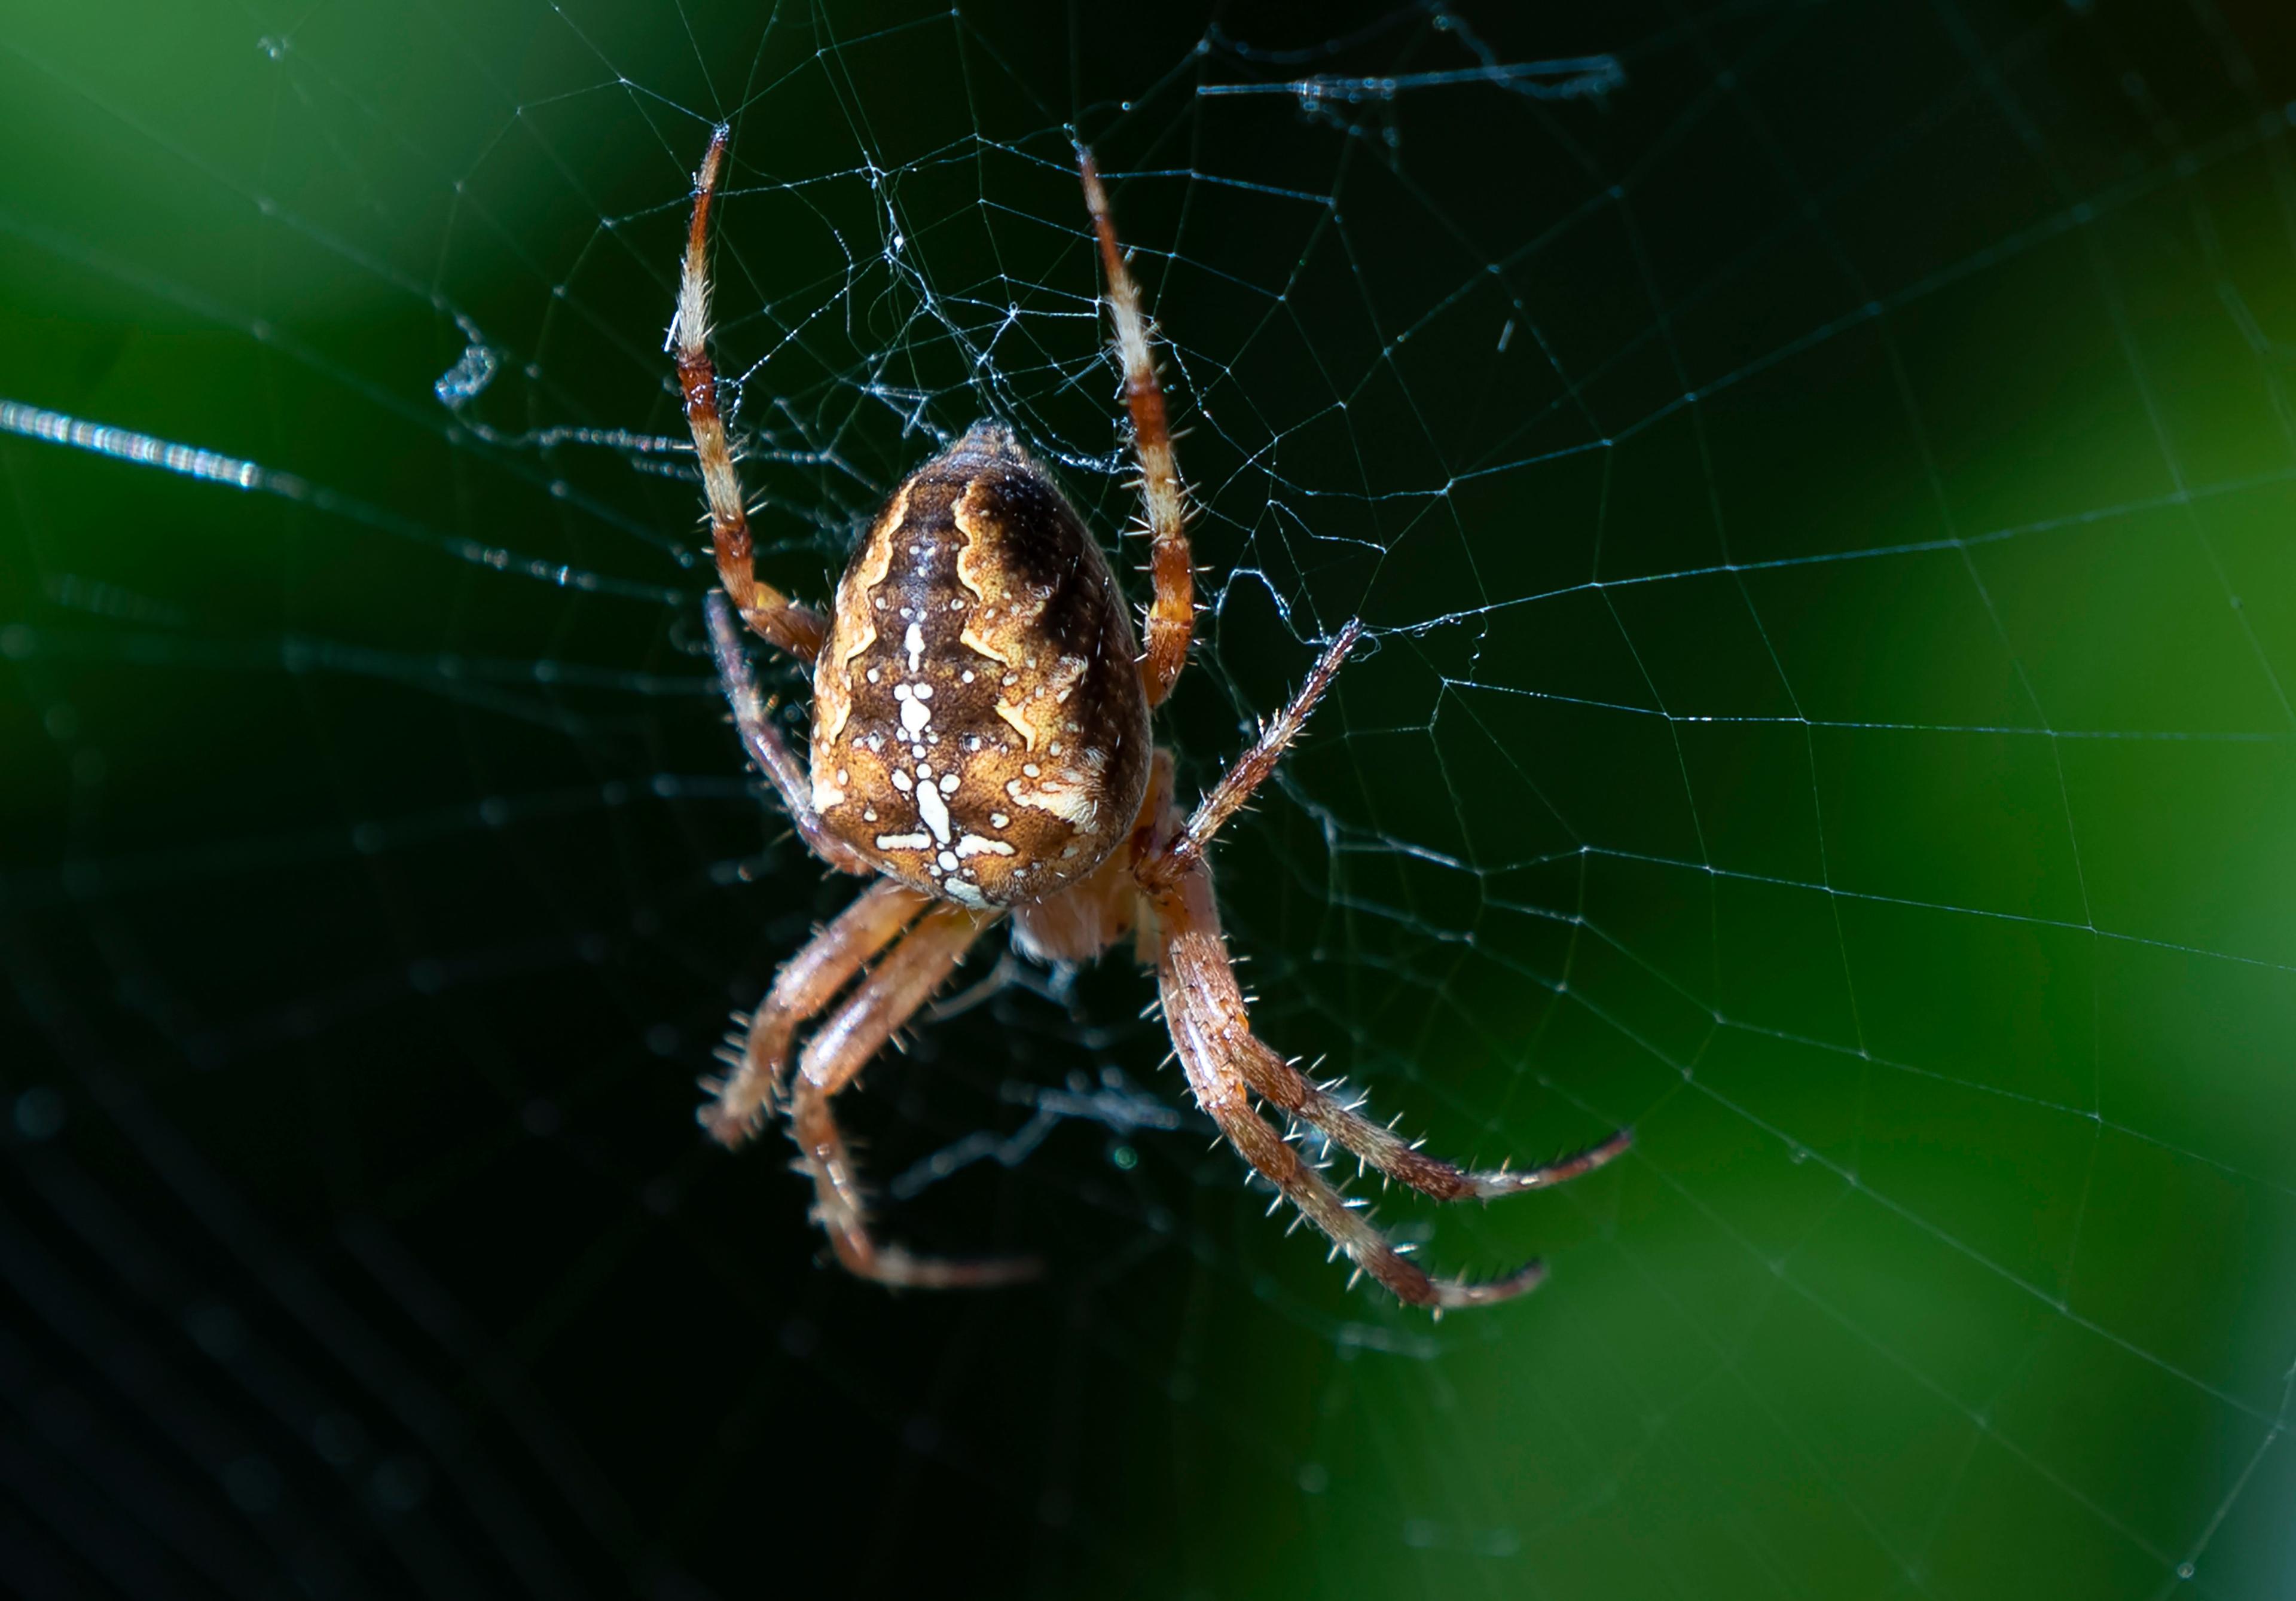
1822, 496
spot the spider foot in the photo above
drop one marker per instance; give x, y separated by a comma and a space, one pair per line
731, 1127
1491, 1185
892, 1266
1449, 1293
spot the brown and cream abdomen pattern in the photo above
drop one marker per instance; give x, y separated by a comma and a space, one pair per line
979, 730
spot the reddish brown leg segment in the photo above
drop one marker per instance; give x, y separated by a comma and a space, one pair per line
764, 741
1206, 1012
779, 619
1252, 768
1281, 1083
1226, 1062
885, 1000
1163, 501
807, 982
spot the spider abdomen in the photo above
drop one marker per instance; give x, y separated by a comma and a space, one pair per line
979, 728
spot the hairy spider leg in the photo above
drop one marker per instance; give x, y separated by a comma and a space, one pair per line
777, 618
805, 984
1213, 1035
766, 744
884, 1001
1163, 500
1253, 768
1223, 1057
1281, 1083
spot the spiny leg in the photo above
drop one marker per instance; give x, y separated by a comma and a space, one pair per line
807, 982
1172, 614
886, 1000
779, 619
1205, 1012
1197, 974
1269, 1075
1251, 770
1282, 1085
764, 741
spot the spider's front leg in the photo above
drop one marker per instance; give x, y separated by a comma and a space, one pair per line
805, 984
1226, 1063
891, 994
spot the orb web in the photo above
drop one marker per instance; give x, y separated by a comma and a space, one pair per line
1810, 476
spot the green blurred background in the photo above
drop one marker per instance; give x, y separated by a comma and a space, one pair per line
1821, 480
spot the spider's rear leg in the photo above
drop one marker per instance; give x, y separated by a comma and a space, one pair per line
807, 982
776, 618
1163, 500
892, 993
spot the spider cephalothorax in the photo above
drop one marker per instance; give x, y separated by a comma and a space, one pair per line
980, 747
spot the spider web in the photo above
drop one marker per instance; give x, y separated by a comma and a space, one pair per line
1817, 481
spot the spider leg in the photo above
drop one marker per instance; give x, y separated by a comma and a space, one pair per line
886, 1000
779, 619
807, 982
1172, 614
1278, 1082
766, 744
1213, 1036
1251, 770
1224, 1060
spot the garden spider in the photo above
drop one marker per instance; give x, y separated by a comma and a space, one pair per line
981, 746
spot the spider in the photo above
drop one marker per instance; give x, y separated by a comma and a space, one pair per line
980, 748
